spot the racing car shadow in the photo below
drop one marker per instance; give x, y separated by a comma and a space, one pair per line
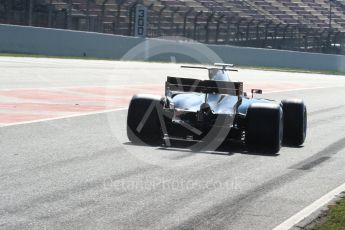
231, 148
293, 146
225, 149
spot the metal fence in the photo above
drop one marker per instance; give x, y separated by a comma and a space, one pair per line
206, 27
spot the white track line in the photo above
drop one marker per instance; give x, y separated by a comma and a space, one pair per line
307, 211
62, 117
80, 86
121, 109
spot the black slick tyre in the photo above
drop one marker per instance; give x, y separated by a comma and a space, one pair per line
143, 125
295, 122
264, 127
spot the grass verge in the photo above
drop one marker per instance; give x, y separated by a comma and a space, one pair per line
335, 217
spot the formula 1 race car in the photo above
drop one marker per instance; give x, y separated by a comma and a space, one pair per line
211, 112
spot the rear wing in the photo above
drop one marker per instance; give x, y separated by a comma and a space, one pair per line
174, 84
219, 66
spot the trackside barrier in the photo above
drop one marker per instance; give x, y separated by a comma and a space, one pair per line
56, 42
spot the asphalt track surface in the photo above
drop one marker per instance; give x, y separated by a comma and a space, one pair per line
82, 173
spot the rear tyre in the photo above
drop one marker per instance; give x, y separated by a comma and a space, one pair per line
143, 126
264, 127
295, 122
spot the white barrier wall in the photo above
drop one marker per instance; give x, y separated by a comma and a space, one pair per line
54, 42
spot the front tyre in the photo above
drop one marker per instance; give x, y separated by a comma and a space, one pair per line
143, 126
264, 127
295, 122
